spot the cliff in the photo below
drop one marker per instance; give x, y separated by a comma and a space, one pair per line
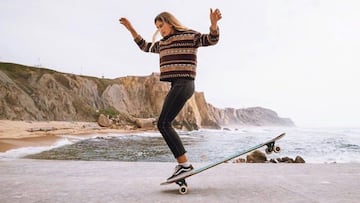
29, 93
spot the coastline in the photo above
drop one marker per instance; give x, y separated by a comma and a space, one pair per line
18, 134
21, 138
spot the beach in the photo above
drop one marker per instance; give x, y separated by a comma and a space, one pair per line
17, 134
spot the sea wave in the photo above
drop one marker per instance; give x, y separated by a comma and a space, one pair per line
24, 151
315, 145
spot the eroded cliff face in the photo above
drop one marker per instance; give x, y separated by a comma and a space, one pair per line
40, 94
29, 93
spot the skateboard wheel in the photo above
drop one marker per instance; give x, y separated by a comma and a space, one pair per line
183, 189
268, 150
277, 149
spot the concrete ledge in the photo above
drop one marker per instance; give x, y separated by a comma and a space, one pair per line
82, 181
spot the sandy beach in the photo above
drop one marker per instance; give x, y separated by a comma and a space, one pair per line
16, 134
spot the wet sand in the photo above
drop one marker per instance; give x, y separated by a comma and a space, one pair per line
17, 134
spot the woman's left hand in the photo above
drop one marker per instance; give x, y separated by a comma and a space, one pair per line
215, 16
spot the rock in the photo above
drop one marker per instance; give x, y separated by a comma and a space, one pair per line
256, 157
299, 159
260, 157
145, 122
239, 160
285, 160
45, 129
104, 121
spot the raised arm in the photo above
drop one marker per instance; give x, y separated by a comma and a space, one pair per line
143, 45
213, 37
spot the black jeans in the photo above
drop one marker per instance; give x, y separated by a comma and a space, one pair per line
181, 90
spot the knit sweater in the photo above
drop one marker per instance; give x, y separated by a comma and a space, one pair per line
178, 52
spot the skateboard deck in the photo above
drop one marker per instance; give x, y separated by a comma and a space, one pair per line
180, 180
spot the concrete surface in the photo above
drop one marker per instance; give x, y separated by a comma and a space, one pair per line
82, 181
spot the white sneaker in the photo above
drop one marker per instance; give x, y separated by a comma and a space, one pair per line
179, 169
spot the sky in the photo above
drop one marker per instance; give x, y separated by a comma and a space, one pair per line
299, 58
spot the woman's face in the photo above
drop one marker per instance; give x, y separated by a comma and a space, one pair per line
164, 28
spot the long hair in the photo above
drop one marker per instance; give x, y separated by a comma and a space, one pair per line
170, 19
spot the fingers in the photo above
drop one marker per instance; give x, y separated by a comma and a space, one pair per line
215, 13
123, 20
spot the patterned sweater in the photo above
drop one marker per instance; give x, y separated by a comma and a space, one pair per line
178, 52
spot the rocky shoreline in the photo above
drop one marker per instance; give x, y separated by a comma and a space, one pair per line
18, 134
259, 157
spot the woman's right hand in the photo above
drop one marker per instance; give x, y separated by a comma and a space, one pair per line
127, 25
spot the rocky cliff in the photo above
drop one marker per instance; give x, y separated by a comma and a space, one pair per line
29, 93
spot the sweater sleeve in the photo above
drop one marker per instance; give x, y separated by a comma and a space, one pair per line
145, 46
208, 39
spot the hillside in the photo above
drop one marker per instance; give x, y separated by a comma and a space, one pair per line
30, 93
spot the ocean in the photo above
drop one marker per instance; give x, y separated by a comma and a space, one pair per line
314, 145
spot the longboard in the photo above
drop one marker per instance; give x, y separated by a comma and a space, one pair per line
180, 180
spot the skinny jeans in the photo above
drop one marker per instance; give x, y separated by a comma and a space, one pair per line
181, 90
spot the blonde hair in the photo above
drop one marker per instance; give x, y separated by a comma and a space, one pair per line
171, 20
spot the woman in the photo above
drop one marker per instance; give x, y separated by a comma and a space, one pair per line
177, 50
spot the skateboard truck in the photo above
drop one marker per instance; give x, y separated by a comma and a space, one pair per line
271, 147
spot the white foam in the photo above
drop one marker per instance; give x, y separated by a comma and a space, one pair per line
315, 145
24, 151
148, 134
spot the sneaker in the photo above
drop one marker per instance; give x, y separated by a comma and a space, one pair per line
179, 169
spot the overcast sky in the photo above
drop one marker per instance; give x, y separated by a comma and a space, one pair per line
300, 58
